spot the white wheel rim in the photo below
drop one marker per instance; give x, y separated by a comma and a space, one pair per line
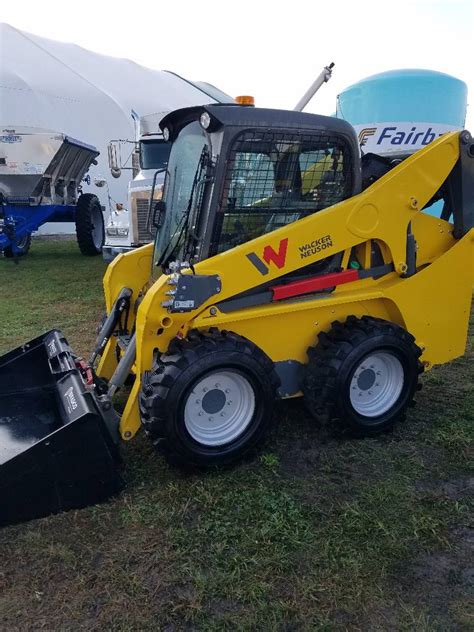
376, 384
219, 408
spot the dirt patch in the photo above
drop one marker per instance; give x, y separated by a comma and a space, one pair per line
441, 583
454, 489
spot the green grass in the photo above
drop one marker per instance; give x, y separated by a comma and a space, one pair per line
54, 286
318, 532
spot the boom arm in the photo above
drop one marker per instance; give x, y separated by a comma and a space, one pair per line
323, 77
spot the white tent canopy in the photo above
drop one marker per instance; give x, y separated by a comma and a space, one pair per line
65, 88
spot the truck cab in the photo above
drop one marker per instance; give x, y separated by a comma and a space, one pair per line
129, 226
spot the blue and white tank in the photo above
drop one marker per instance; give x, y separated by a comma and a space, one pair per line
395, 113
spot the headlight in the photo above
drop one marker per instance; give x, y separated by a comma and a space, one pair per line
166, 134
117, 231
205, 120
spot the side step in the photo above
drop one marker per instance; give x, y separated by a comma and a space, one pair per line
57, 451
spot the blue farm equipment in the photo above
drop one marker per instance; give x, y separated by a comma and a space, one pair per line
40, 181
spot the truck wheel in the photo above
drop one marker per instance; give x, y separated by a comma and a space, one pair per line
209, 399
90, 230
363, 373
23, 247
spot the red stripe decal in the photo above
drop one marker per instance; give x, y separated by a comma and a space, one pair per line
320, 282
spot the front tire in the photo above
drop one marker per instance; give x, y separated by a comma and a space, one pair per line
209, 399
23, 247
363, 373
90, 230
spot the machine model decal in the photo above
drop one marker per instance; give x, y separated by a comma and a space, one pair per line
269, 256
71, 402
52, 349
183, 304
315, 246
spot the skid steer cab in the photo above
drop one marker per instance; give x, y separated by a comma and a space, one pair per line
274, 274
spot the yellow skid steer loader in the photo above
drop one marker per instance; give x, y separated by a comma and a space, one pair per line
284, 265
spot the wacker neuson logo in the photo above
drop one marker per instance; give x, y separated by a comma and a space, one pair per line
315, 246
270, 255
278, 257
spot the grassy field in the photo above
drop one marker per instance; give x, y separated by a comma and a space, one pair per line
318, 532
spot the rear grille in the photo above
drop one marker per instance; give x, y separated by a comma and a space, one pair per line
144, 235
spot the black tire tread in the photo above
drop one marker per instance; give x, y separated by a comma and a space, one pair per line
326, 359
84, 224
166, 367
8, 251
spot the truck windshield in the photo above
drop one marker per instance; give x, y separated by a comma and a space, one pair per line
180, 188
154, 154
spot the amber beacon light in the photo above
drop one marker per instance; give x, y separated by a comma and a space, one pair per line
245, 100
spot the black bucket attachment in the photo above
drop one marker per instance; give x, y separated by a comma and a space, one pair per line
56, 449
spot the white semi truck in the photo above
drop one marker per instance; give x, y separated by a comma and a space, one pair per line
146, 158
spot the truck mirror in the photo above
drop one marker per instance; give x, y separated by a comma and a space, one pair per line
159, 210
113, 160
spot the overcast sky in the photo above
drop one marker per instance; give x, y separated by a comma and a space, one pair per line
269, 49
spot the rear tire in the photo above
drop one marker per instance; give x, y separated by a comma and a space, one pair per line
90, 230
23, 247
362, 373
209, 399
